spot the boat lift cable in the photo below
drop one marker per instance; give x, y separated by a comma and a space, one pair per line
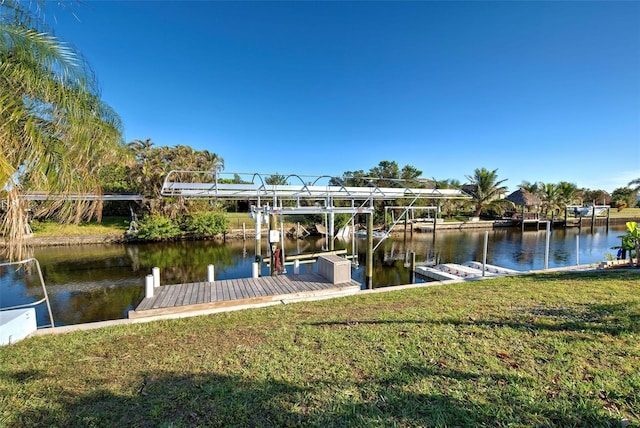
388, 231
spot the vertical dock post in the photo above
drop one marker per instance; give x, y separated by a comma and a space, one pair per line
258, 241
368, 277
282, 251
608, 218
296, 267
435, 219
330, 229
272, 251
148, 286
210, 271
156, 276
593, 216
405, 227
577, 250
546, 247
254, 269
484, 252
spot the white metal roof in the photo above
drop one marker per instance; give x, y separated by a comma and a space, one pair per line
177, 184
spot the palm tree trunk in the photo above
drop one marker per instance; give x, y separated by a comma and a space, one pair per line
15, 225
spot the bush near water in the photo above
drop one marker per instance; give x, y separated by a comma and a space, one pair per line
158, 227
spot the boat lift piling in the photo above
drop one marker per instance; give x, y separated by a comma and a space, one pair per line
308, 197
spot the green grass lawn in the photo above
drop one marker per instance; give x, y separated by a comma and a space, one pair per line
541, 350
108, 226
625, 213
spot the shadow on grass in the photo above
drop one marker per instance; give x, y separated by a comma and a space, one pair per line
168, 399
613, 319
626, 274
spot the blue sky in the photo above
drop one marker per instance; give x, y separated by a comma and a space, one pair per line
541, 91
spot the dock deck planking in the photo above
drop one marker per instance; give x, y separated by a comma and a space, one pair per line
185, 298
201, 291
245, 292
237, 291
207, 292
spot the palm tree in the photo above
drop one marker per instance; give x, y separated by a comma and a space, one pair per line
487, 190
567, 193
533, 188
635, 184
550, 195
55, 132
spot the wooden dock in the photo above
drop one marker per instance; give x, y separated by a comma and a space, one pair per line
243, 292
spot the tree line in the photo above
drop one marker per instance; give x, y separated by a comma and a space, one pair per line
59, 137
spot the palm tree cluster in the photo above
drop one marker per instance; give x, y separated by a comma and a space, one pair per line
487, 191
554, 197
55, 132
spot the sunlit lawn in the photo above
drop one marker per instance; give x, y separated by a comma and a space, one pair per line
625, 213
109, 225
544, 350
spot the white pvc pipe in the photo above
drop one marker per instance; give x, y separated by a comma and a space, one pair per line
282, 244
148, 286
156, 276
546, 246
296, 267
577, 250
210, 271
254, 270
484, 251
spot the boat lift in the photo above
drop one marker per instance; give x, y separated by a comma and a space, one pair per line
302, 195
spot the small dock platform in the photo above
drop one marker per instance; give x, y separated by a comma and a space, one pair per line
468, 270
243, 292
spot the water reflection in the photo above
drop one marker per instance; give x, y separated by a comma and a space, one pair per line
100, 282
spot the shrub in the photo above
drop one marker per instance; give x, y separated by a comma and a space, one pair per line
157, 228
206, 223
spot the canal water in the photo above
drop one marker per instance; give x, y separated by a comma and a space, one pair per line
102, 282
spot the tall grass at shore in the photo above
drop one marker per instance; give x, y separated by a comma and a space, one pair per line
539, 350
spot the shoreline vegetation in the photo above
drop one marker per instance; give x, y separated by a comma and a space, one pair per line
553, 349
113, 229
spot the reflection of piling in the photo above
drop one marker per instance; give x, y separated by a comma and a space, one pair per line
412, 267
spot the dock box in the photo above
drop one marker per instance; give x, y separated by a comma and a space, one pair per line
334, 268
16, 324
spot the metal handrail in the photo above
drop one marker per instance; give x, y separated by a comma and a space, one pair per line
45, 299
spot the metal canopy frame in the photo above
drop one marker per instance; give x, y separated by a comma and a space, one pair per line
309, 194
210, 184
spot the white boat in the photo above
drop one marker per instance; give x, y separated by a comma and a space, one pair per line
586, 211
376, 234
